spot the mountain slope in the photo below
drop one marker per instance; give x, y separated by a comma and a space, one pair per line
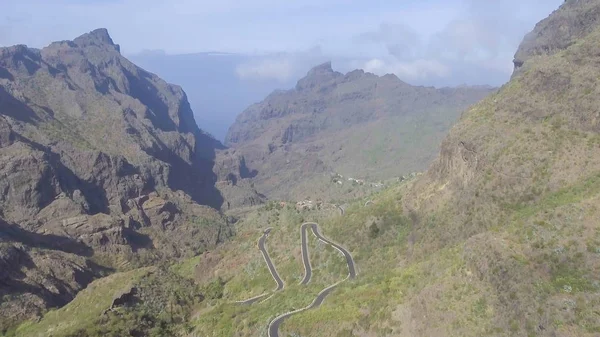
517, 180
500, 237
359, 124
103, 168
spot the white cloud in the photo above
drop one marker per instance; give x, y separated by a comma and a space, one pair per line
416, 70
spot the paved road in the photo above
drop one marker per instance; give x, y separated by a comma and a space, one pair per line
273, 328
261, 246
272, 270
305, 257
349, 259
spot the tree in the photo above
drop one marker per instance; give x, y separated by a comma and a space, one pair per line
373, 230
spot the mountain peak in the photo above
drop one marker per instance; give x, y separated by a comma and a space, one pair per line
318, 76
96, 37
321, 68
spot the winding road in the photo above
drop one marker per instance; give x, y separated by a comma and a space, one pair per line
261, 246
272, 270
273, 328
305, 257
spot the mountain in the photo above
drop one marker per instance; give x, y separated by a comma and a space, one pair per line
103, 169
499, 237
358, 124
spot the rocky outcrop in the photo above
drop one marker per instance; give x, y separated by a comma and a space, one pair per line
572, 21
234, 180
40, 271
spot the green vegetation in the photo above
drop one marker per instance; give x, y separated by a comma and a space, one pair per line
161, 305
58, 130
86, 308
499, 238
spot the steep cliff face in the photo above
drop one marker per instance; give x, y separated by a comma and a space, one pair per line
84, 94
357, 124
99, 161
235, 180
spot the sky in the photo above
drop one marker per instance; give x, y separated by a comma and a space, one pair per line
430, 42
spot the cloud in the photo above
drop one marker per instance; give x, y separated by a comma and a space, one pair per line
415, 70
475, 46
398, 39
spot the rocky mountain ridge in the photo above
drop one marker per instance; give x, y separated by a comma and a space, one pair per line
356, 124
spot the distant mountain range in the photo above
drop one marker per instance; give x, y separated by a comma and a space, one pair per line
222, 85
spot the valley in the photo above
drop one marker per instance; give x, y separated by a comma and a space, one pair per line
352, 205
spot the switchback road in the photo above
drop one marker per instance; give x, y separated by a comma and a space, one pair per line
261, 246
270, 265
273, 329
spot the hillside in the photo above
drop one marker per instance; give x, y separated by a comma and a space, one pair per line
359, 125
499, 237
103, 169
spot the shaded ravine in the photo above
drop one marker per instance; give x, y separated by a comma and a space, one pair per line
273, 329
270, 265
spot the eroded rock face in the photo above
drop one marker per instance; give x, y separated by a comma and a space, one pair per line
234, 180
98, 159
40, 271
